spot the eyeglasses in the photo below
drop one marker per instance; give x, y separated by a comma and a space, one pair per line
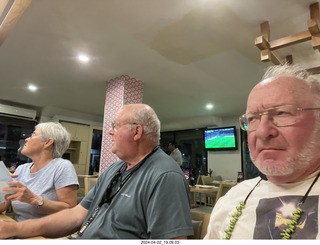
115, 185
33, 135
280, 116
114, 124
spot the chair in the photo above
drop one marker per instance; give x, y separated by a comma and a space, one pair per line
217, 178
206, 180
200, 221
209, 197
89, 182
199, 181
223, 189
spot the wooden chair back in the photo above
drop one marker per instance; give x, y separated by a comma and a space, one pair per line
204, 217
89, 182
206, 180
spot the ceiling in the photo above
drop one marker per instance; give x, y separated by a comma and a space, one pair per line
187, 52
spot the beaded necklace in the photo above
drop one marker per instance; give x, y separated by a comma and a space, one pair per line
286, 233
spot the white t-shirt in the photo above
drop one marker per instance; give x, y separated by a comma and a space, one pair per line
55, 175
267, 211
176, 155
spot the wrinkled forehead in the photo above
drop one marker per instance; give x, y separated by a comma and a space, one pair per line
279, 91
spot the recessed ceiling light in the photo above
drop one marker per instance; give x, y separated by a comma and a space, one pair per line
32, 87
83, 58
209, 106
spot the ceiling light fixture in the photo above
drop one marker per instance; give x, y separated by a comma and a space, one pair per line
209, 106
83, 58
32, 87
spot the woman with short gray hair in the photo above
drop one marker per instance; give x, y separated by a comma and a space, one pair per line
49, 183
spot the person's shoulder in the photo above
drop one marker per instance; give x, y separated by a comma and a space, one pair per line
161, 155
23, 166
162, 162
61, 162
113, 167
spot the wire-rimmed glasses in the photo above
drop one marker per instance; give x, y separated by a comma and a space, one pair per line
280, 116
114, 124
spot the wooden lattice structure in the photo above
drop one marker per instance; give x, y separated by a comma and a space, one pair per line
268, 47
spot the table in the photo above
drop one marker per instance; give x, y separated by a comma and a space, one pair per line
6, 218
202, 189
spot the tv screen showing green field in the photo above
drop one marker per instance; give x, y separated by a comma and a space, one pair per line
220, 138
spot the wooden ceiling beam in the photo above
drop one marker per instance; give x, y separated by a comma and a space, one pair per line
314, 11
268, 48
3, 5
314, 70
290, 40
15, 12
263, 43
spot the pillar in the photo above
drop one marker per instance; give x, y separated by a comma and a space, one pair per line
120, 91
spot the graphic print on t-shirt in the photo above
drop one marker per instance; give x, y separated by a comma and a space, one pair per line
273, 215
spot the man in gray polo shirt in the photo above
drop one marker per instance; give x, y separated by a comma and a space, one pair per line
143, 196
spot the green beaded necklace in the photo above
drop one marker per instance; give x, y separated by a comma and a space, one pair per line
286, 233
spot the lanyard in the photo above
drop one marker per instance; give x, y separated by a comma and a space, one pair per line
105, 197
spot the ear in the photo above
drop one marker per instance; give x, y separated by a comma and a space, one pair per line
48, 143
138, 132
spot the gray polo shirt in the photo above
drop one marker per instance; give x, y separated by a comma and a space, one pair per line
153, 203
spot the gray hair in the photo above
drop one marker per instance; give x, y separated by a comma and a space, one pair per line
55, 131
149, 121
298, 72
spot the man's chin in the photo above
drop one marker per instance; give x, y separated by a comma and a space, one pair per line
271, 167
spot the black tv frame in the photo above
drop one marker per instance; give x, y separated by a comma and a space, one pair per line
222, 148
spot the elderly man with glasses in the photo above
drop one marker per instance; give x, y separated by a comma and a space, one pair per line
283, 128
143, 196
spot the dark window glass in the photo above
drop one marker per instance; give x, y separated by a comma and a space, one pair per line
95, 151
13, 133
191, 144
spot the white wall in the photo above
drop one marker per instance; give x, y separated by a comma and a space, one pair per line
55, 114
226, 163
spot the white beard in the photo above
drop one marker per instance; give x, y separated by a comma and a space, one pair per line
305, 158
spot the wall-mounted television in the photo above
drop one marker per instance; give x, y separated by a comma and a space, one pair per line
221, 139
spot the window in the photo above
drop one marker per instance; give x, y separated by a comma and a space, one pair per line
191, 144
13, 133
95, 151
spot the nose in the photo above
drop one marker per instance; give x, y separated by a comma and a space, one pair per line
111, 131
266, 128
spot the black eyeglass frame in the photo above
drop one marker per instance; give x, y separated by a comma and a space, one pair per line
107, 198
106, 195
